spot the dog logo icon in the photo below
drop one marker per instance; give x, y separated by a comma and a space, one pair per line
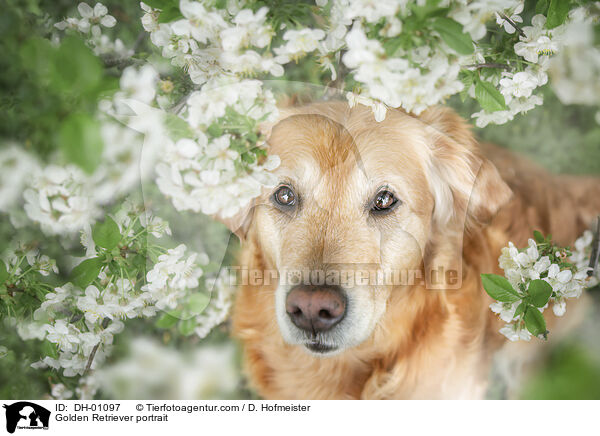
26, 415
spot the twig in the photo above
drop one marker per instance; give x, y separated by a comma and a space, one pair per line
595, 256
179, 105
342, 72
105, 322
76, 317
489, 65
122, 62
512, 23
119, 62
11, 289
140, 38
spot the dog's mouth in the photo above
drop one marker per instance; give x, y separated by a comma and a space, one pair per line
319, 347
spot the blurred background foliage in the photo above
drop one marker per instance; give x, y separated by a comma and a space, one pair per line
48, 97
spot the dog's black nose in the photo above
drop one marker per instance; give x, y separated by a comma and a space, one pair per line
315, 308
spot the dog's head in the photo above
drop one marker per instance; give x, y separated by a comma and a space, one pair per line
364, 208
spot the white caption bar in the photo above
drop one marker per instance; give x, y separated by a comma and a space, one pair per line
283, 418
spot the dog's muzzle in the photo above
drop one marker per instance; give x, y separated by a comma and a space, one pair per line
315, 309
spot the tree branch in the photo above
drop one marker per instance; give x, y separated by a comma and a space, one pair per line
595, 256
105, 323
512, 23
488, 65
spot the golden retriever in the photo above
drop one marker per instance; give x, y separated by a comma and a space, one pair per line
412, 194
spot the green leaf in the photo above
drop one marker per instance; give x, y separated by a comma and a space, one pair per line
489, 97
178, 128
37, 54
3, 272
539, 292
557, 13
75, 69
86, 272
106, 234
81, 142
499, 288
453, 34
186, 327
260, 152
539, 238
49, 349
541, 6
428, 9
198, 302
166, 321
535, 322
214, 130
158, 4
169, 14
467, 80
520, 309
248, 158
391, 46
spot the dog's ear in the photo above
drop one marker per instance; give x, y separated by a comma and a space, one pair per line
239, 224
467, 188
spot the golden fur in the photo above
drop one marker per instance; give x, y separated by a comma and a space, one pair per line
422, 343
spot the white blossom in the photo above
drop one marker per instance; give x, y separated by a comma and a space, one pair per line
60, 392
520, 84
58, 201
219, 306
90, 18
515, 333
16, 168
208, 372
537, 40
66, 336
514, 17
300, 42
522, 266
172, 275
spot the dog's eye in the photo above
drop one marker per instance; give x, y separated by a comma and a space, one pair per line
384, 201
284, 196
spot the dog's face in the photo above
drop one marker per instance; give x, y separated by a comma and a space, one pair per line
357, 197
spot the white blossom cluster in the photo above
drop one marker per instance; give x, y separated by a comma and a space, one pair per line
58, 201
217, 311
204, 175
75, 346
20, 259
91, 19
60, 392
92, 22
16, 167
581, 256
173, 276
522, 266
210, 42
152, 370
97, 313
412, 81
428, 74
204, 172
64, 199
536, 47
566, 53
575, 69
